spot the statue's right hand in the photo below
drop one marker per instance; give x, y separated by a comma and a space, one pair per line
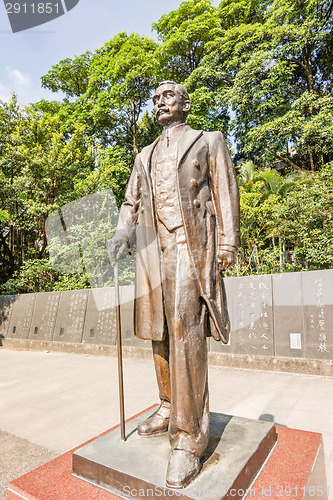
117, 247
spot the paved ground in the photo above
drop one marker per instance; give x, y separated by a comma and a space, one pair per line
51, 402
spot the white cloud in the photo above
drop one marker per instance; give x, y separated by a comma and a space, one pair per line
17, 78
13, 80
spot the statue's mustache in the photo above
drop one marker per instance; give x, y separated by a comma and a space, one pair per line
162, 109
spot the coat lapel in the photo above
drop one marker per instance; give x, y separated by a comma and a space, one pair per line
187, 139
146, 155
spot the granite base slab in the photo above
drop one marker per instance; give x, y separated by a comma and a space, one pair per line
237, 449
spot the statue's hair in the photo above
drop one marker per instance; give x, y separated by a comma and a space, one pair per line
179, 88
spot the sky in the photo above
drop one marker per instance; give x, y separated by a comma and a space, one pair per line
29, 54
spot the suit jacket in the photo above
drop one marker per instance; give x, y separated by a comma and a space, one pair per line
209, 200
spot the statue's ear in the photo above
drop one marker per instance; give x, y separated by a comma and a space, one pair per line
186, 106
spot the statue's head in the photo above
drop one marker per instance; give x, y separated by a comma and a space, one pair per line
171, 103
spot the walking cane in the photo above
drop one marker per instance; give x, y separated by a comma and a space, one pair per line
120, 358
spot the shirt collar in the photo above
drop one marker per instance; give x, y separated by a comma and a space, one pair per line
172, 131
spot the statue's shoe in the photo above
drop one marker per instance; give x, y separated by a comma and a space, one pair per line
157, 424
183, 467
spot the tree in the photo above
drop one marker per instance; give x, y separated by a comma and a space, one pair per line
184, 33
106, 91
148, 129
262, 194
258, 70
10, 114
70, 76
39, 169
122, 76
272, 182
112, 173
271, 66
306, 221
286, 221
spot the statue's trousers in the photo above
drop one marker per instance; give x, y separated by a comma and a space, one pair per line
181, 358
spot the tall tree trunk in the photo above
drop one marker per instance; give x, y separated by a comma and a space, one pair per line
134, 130
311, 160
257, 257
22, 245
10, 255
320, 161
10, 237
308, 69
43, 236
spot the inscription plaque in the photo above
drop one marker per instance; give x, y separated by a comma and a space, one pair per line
253, 316
21, 316
44, 317
6, 309
288, 314
71, 316
100, 323
295, 341
317, 289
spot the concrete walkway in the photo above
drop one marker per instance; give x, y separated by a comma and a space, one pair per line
52, 402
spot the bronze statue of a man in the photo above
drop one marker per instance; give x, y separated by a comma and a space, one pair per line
183, 187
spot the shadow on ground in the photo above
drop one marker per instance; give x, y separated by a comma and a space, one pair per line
267, 417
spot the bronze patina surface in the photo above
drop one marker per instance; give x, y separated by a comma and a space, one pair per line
183, 190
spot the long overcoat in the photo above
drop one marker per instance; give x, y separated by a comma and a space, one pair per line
209, 201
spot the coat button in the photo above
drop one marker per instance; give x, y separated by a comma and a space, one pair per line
195, 163
142, 209
194, 183
196, 203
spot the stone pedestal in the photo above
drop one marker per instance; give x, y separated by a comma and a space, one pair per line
136, 468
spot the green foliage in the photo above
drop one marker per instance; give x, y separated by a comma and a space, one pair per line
106, 91
286, 222
271, 65
34, 276
39, 167
77, 234
184, 34
308, 125
112, 173
306, 220
122, 76
69, 76
257, 223
38, 275
270, 181
206, 111
258, 70
76, 281
148, 130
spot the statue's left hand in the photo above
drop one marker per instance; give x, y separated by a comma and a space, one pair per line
226, 259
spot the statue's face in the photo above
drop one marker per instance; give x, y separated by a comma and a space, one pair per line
169, 105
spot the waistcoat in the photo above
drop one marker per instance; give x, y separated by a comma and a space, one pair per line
164, 178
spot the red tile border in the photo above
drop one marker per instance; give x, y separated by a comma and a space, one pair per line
289, 466
286, 473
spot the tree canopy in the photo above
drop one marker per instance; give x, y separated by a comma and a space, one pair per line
260, 71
